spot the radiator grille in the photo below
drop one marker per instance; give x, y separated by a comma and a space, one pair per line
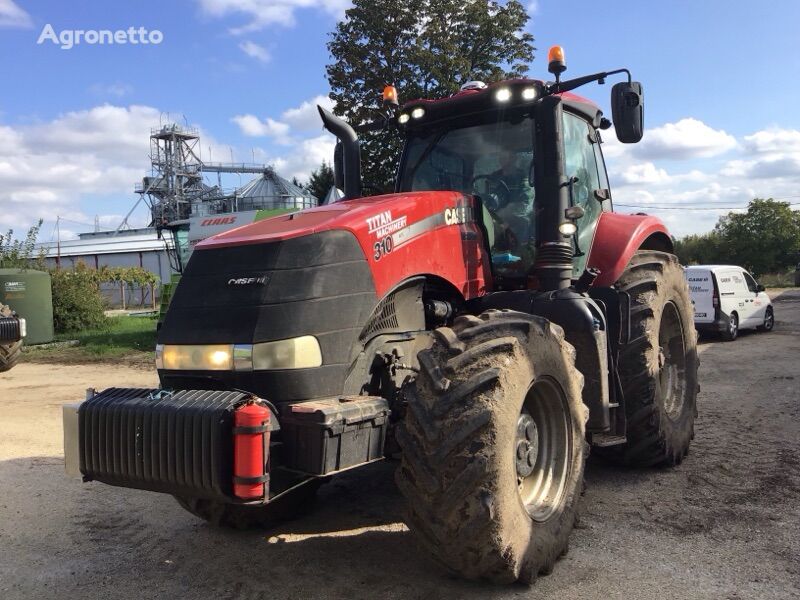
178, 442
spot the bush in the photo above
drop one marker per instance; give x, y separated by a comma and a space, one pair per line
779, 280
77, 303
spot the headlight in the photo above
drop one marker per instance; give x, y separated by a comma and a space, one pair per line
295, 353
568, 228
403, 118
212, 357
23, 328
418, 112
529, 93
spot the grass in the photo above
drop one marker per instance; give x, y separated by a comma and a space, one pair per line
779, 280
125, 339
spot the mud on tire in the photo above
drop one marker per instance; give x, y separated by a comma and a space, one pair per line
658, 366
459, 470
237, 516
9, 355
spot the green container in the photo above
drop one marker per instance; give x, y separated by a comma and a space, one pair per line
29, 294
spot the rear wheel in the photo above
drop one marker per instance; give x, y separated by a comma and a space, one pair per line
769, 320
658, 366
241, 516
493, 447
731, 332
9, 355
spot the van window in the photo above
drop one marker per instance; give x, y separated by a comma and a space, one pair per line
751, 283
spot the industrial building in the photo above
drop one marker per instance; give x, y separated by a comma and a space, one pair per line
179, 188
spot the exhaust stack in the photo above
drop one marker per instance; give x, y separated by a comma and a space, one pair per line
350, 169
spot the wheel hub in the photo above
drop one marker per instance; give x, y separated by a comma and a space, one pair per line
527, 445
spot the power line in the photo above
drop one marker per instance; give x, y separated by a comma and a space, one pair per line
650, 206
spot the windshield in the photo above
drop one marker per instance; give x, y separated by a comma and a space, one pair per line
493, 161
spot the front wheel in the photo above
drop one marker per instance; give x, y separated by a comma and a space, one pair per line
9, 355
493, 447
769, 320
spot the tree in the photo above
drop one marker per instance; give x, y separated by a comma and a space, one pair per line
320, 181
425, 48
19, 254
765, 239
702, 249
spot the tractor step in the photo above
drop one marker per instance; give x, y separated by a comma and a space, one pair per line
603, 439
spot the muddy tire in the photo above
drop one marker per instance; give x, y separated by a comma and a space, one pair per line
9, 355
236, 516
658, 366
493, 447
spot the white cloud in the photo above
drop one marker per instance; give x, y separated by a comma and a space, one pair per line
773, 140
259, 14
643, 173
252, 126
293, 121
255, 51
304, 157
688, 138
117, 89
762, 164
13, 16
306, 116
47, 169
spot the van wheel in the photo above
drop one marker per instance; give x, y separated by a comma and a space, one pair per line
769, 320
732, 332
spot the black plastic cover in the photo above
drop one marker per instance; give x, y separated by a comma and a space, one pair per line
175, 442
9, 329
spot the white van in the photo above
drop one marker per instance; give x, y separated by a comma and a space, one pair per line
727, 299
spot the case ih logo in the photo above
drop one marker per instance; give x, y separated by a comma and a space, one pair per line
262, 280
383, 224
218, 221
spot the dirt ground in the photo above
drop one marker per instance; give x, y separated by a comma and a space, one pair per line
724, 524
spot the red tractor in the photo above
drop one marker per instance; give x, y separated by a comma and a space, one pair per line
488, 322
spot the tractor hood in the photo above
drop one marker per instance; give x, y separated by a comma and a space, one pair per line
362, 217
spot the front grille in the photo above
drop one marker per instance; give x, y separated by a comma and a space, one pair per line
9, 329
179, 443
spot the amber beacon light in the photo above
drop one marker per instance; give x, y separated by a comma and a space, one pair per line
390, 95
555, 60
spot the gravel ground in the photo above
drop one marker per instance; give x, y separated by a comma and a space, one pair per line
724, 524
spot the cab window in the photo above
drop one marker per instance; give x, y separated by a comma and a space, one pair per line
580, 162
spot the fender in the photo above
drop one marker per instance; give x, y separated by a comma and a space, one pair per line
617, 238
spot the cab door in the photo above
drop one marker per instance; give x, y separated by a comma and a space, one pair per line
758, 300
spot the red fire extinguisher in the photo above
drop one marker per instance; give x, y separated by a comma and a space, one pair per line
250, 451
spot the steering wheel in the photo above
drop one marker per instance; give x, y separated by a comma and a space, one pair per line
502, 198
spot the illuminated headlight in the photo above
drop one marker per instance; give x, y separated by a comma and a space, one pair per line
295, 353
418, 112
529, 93
568, 228
502, 95
23, 328
403, 118
211, 357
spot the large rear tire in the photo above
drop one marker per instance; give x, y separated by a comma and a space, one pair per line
493, 447
658, 366
9, 355
239, 516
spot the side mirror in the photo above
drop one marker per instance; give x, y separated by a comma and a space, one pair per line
760, 288
627, 110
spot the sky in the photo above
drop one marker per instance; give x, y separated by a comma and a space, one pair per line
721, 84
